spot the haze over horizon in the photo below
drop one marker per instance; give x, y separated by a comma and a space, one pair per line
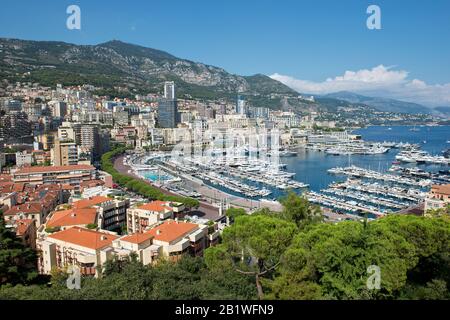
316, 48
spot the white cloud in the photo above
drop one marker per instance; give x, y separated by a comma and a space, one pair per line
379, 81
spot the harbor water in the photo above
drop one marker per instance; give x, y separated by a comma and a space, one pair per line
311, 166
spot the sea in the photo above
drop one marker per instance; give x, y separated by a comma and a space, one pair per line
311, 166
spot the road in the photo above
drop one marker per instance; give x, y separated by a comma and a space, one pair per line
205, 210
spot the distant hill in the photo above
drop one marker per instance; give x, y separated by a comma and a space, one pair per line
382, 104
130, 68
123, 69
443, 110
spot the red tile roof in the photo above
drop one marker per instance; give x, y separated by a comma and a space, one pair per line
441, 189
137, 238
23, 225
89, 202
72, 217
45, 169
18, 187
171, 230
5, 177
27, 208
85, 238
6, 187
157, 206
92, 183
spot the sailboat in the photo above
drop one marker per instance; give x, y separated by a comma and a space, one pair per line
414, 129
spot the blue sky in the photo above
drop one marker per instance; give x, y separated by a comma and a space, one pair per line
303, 43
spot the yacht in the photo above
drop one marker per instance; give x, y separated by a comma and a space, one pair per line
287, 153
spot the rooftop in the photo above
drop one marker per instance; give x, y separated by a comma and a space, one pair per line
89, 202
34, 207
171, 230
72, 217
45, 169
23, 225
137, 238
158, 206
85, 238
442, 189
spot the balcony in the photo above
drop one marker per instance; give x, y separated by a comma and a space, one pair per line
196, 236
86, 258
177, 208
179, 246
213, 236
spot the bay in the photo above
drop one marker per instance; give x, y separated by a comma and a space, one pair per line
311, 166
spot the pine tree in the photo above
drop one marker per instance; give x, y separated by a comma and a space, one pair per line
17, 262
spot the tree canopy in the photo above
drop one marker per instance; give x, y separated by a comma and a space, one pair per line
275, 255
139, 186
17, 262
331, 261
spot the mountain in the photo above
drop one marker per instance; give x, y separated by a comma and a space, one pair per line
382, 104
122, 67
443, 110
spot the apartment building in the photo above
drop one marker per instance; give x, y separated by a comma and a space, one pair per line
67, 132
41, 157
25, 229
24, 159
74, 246
438, 197
72, 175
143, 216
112, 212
98, 212
32, 211
14, 125
89, 249
175, 238
59, 109
90, 139
65, 219
170, 240
34, 204
64, 153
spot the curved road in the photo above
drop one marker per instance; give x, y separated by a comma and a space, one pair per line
205, 210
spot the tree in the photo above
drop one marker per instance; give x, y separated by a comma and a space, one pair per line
253, 246
139, 186
17, 262
431, 240
232, 213
439, 212
331, 260
299, 210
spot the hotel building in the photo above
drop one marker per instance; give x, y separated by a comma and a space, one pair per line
142, 217
89, 249
73, 175
439, 197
